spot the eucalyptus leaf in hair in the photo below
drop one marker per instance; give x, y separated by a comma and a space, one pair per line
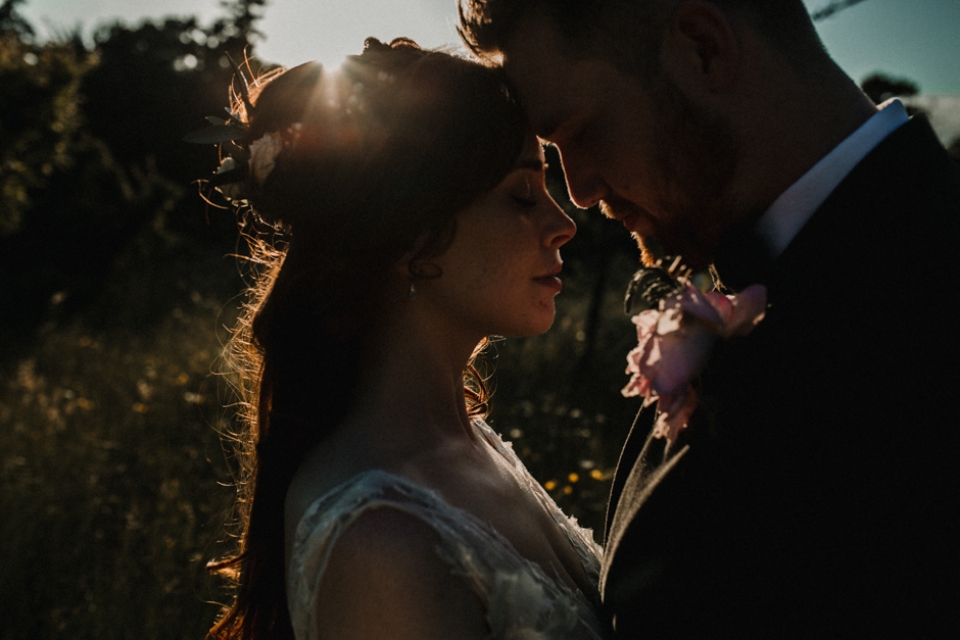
216, 134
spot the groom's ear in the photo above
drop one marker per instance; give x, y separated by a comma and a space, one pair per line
700, 49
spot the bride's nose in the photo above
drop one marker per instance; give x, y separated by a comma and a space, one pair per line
558, 228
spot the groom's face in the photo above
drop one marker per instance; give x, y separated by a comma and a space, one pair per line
634, 145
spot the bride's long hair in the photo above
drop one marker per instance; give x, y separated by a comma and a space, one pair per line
355, 171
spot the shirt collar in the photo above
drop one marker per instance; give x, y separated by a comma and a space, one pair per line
790, 211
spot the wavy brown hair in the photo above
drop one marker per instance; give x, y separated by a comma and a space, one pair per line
377, 160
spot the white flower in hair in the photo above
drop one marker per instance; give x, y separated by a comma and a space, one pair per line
231, 190
263, 156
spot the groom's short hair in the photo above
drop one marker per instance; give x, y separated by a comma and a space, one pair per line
627, 31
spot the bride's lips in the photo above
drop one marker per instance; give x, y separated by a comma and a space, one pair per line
551, 280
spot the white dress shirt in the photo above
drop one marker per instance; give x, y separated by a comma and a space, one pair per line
786, 216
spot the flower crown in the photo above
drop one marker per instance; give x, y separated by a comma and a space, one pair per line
253, 159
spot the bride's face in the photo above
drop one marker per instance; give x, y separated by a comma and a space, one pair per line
501, 273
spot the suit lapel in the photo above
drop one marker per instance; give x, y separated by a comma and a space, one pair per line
628, 457
655, 460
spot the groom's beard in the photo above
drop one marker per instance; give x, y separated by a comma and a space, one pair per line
697, 156
694, 243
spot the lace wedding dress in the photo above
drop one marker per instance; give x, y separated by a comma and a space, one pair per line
522, 602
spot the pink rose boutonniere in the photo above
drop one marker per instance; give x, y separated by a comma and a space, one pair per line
675, 339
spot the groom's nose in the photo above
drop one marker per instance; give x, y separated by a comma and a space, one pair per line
585, 186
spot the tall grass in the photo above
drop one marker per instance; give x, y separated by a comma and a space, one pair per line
113, 483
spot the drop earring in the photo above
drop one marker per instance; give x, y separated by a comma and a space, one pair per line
420, 271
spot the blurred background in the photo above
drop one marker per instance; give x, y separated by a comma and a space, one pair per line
118, 286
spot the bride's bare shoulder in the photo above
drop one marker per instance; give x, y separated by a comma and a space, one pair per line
322, 469
386, 579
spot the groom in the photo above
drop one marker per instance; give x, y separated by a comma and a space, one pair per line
816, 492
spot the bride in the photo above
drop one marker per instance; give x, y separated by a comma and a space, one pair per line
402, 219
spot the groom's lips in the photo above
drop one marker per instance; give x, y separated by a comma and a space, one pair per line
635, 223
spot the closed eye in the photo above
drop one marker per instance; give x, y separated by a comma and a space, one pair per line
522, 194
526, 203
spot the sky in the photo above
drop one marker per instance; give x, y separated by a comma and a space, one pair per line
916, 39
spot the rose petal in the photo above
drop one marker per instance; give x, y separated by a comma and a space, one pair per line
639, 386
700, 305
633, 386
674, 412
645, 321
633, 359
749, 308
721, 304
669, 321
681, 356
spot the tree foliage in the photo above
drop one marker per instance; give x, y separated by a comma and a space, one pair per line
11, 21
880, 87
832, 8
91, 150
39, 113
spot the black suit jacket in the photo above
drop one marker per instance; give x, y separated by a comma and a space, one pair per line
816, 492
